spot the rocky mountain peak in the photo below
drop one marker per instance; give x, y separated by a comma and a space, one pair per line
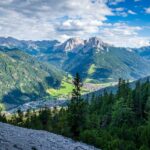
8, 41
95, 42
72, 44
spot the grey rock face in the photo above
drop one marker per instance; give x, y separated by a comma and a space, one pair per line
17, 138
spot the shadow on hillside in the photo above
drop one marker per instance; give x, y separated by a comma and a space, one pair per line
17, 97
51, 81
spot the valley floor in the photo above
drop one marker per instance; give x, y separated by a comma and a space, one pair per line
17, 138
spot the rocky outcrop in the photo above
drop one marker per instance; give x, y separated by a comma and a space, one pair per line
17, 138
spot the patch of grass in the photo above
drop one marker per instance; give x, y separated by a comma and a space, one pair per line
2, 107
91, 69
65, 89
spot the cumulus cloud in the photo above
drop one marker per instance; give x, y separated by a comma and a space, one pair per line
62, 19
122, 35
147, 10
36, 19
131, 12
115, 2
120, 11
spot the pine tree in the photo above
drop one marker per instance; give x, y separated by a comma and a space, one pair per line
137, 97
45, 117
3, 118
76, 109
20, 117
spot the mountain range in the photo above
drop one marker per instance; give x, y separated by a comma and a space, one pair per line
29, 67
95, 60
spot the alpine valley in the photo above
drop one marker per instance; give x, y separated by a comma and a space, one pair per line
31, 70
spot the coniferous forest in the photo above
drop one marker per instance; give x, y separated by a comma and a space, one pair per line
112, 121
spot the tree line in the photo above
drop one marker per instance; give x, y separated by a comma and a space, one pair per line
111, 121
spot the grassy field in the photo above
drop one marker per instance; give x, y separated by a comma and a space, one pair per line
2, 107
65, 89
91, 69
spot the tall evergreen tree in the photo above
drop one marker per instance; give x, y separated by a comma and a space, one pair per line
76, 109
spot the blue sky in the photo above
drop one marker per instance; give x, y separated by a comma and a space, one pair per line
136, 12
118, 22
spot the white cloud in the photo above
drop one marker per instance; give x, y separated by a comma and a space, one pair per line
62, 19
119, 9
38, 19
131, 12
115, 2
147, 10
120, 34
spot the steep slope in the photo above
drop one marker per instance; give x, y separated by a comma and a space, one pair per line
72, 44
98, 61
15, 138
61, 52
31, 47
144, 52
95, 60
22, 78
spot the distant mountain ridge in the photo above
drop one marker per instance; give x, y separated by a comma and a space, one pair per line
72, 44
31, 47
95, 60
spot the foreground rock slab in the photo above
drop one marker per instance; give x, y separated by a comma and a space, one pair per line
17, 138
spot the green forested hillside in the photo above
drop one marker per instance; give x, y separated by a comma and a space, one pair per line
107, 64
96, 61
118, 121
23, 79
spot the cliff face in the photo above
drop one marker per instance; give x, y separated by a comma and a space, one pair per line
16, 138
